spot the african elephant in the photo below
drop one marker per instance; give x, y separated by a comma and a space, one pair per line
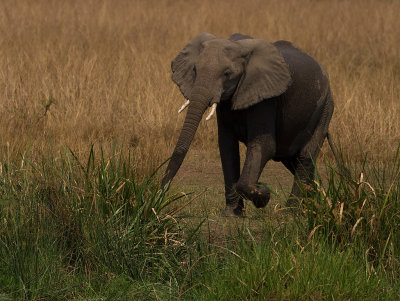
273, 97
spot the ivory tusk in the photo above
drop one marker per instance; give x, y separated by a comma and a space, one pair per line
184, 106
213, 108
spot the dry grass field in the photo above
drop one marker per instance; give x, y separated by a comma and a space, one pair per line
76, 73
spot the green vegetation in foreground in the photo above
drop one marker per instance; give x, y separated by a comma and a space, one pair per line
95, 230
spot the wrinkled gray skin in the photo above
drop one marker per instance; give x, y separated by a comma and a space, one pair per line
271, 96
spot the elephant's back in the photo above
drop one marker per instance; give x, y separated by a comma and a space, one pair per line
299, 61
302, 104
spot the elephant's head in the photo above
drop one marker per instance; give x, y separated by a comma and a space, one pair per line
210, 70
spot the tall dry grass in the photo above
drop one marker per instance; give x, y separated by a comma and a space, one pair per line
74, 73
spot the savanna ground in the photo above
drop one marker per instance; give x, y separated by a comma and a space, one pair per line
85, 222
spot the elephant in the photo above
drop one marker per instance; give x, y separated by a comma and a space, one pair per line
272, 97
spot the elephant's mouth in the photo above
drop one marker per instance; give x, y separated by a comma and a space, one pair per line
213, 105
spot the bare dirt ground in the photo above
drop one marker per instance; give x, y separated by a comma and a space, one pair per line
204, 175
201, 178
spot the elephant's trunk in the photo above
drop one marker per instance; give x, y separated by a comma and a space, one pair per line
199, 102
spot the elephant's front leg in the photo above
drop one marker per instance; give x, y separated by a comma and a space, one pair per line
258, 153
230, 159
261, 147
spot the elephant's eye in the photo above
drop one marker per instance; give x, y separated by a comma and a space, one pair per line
194, 70
227, 72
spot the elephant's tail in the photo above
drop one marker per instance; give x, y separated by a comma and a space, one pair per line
339, 160
332, 146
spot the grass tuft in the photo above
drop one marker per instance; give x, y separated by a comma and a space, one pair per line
59, 217
362, 206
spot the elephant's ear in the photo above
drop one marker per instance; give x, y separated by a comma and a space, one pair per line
266, 74
182, 66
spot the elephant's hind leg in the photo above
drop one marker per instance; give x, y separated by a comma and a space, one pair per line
303, 165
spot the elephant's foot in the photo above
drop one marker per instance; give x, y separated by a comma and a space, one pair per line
295, 206
232, 212
234, 208
293, 203
258, 194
